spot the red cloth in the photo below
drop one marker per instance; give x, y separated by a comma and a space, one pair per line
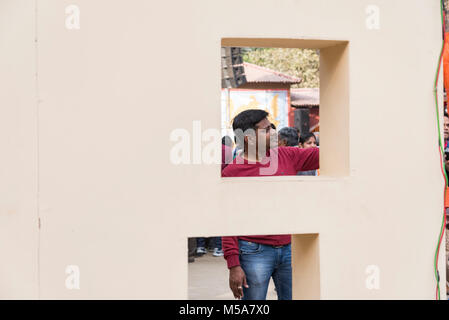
290, 161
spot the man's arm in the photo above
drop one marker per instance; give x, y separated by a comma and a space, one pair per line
237, 278
231, 251
304, 159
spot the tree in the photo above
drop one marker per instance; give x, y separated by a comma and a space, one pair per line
301, 63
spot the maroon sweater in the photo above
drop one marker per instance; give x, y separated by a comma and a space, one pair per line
290, 160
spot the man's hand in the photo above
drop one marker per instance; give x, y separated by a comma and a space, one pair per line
237, 280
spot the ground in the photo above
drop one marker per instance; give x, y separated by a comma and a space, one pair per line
209, 280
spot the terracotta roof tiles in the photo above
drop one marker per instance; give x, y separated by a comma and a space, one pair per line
305, 97
257, 74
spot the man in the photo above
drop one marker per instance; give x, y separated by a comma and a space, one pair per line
253, 260
288, 137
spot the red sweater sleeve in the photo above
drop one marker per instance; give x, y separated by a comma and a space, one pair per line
305, 159
231, 251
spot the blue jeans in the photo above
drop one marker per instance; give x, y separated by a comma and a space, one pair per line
261, 262
214, 242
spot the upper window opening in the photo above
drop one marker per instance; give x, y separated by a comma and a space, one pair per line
270, 104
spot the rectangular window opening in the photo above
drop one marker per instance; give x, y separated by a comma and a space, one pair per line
302, 88
298, 276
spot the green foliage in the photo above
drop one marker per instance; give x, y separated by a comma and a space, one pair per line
301, 63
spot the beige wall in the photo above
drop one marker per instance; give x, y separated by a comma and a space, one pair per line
18, 152
85, 148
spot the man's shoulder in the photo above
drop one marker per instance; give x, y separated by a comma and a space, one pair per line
238, 168
230, 169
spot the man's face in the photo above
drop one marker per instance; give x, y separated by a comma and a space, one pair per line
264, 131
311, 143
446, 128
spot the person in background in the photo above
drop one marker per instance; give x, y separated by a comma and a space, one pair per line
227, 141
446, 200
201, 246
253, 260
226, 151
307, 140
288, 137
191, 248
236, 149
217, 247
214, 245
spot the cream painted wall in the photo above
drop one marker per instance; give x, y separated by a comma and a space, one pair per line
85, 148
18, 155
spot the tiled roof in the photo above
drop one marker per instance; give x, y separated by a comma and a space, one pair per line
305, 97
257, 74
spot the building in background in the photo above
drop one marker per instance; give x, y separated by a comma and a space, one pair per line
271, 90
305, 103
265, 89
